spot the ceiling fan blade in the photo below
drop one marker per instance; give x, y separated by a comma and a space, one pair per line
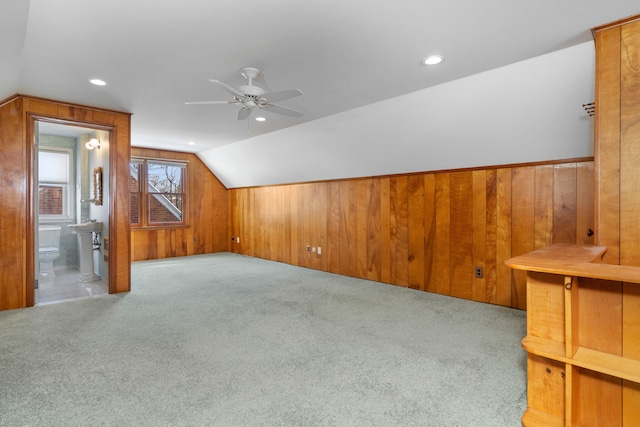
282, 110
228, 88
208, 102
281, 95
243, 113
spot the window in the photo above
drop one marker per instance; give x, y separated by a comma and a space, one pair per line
55, 189
158, 192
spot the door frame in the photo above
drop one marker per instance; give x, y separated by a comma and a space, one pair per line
32, 118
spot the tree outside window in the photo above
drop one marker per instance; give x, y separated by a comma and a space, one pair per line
158, 192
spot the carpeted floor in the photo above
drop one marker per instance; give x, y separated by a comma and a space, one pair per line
227, 340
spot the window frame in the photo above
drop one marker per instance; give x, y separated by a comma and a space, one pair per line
144, 220
68, 188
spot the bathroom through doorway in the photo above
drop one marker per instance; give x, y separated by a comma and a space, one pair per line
71, 215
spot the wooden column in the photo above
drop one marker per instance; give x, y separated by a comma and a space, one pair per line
617, 136
617, 156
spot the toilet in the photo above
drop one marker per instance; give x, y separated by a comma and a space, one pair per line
49, 248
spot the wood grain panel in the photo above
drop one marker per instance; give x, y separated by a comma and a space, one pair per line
629, 150
374, 238
546, 395
345, 226
304, 233
546, 294
491, 267
479, 227
385, 230
333, 231
565, 204
352, 229
13, 215
443, 219
601, 325
630, 321
607, 143
402, 230
585, 223
362, 202
322, 190
630, 349
522, 227
503, 236
120, 210
235, 218
47, 108
461, 235
600, 400
430, 226
263, 202
393, 230
416, 232
292, 195
303, 225
543, 206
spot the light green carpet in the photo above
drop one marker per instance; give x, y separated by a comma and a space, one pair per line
227, 340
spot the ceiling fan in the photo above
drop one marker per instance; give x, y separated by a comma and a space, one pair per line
249, 96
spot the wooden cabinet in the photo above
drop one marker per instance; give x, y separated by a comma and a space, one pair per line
583, 338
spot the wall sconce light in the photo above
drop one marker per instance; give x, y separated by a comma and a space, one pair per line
93, 143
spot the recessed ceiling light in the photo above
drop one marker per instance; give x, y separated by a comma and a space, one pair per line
260, 119
433, 60
97, 82
191, 143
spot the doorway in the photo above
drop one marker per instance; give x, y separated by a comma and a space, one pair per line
71, 215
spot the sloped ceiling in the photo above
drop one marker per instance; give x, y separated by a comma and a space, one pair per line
368, 101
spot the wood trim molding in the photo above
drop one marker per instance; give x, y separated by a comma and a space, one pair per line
614, 24
469, 169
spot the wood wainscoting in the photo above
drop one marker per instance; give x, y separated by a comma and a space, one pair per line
424, 231
207, 211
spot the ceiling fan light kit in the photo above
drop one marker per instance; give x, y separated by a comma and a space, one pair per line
250, 96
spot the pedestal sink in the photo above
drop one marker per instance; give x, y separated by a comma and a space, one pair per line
85, 244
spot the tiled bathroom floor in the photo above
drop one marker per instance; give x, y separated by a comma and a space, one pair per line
65, 286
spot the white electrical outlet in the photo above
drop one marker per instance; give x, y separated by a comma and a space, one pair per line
319, 250
313, 249
237, 240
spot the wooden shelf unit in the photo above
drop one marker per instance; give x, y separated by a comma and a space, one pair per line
583, 338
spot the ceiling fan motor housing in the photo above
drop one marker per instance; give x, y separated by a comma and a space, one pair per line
250, 90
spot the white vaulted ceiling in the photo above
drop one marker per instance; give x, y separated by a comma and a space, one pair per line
510, 89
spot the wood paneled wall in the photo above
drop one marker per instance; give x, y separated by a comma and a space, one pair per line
17, 115
423, 231
617, 156
207, 230
617, 148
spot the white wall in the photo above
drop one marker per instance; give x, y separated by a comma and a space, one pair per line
100, 158
525, 112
